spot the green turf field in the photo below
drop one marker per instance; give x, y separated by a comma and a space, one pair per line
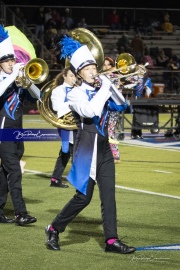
144, 219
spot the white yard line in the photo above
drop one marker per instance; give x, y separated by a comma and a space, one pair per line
167, 147
149, 192
161, 171
117, 186
36, 172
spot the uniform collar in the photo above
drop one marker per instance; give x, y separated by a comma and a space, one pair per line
3, 75
67, 85
86, 86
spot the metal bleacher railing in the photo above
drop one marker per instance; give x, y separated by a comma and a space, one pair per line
9, 18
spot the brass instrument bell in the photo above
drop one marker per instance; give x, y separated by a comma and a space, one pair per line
125, 63
35, 71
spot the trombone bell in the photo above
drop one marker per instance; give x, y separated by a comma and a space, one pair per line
126, 63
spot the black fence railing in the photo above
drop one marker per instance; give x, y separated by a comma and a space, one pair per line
99, 15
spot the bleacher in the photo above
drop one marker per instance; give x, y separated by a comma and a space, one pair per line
159, 39
108, 37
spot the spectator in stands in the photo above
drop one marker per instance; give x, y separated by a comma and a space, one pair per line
139, 26
172, 79
143, 26
137, 45
174, 60
123, 43
69, 22
125, 21
20, 15
48, 15
166, 17
167, 26
49, 37
63, 29
148, 27
82, 23
39, 20
162, 59
148, 58
155, 25
154, 52
114, 20
56, 18
50, 24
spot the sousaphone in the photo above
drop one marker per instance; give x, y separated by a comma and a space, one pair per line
85, 37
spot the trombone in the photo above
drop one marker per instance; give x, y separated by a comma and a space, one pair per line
125, 66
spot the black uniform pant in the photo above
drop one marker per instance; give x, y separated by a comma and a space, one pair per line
61, 162
11, 176
106, 184
10, 170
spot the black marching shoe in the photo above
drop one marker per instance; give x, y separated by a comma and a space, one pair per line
24, 219
119, 247
4, 219
52, 241
58, 183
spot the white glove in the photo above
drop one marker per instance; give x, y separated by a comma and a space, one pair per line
105, 81
148, 91
16, 68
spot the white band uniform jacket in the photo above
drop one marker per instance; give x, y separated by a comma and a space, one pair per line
89, 104
61, 106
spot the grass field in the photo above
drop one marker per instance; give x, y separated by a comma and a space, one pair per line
144, 219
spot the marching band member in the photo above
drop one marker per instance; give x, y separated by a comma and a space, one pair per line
11, 111
113, 117
143, 88
65, 81
93, 162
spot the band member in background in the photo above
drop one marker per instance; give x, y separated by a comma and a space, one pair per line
142, 89
113, 117
11, 111
93, 161
64, 81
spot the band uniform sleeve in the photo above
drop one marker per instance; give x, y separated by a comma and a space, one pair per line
79, 102
34, 91
4, 84
58, 104
117, 96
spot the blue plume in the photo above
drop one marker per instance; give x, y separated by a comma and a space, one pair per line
68, 46
3, 33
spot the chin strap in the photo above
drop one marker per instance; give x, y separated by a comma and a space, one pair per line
84, 81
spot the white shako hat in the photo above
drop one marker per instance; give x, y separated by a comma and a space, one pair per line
6, 47
79, 55
81, 58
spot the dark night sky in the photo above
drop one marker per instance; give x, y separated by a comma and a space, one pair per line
173, 4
